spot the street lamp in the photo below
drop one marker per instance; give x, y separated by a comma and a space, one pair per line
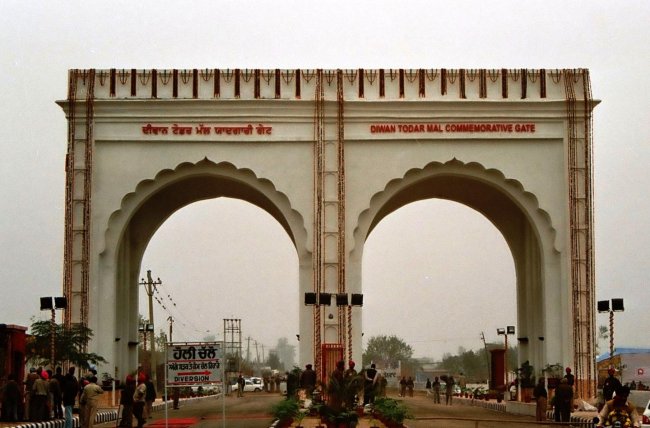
617, 306
509, 330
145, 328
46, 304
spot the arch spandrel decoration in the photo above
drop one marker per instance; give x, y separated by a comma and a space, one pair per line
258, 191
302, 131
394, 196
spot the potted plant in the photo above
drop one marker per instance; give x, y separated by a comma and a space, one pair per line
526, 381
107, 380
299, 416
393, 413
553, 373
345, 419
285, 411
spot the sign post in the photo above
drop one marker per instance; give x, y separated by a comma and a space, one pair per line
194, 364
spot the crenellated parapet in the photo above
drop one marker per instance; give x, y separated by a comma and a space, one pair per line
359, 84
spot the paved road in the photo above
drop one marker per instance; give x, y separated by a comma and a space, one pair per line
253, 411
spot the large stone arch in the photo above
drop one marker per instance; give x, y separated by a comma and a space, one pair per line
143, 211
525, 226
346, 147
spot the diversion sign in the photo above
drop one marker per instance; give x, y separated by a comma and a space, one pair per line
194, 364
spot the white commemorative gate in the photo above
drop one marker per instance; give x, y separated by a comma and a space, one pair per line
329, 153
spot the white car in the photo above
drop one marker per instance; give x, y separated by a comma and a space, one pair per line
249, 386
258, 381
645, 417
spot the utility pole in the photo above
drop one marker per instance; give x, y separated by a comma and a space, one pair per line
150, 287
171, 324
248, 349
487, 356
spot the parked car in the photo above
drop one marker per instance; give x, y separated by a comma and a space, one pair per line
249, 386
258, 381
645, 417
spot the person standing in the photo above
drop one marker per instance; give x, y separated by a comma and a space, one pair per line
570, 379
240, 385
449, 390
435, 386
69, 395
541, 398
55, 393
402, 387
126, 401
562, 401
308, 379
369, 385
277, 384
611, 384
10, 399
410, 385
29, 387
39, 398
90, 401
139, 399
427, 386
150, 397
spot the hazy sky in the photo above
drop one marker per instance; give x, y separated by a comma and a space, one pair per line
214, 257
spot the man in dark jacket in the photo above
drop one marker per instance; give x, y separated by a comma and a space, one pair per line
610, 385
308, 379
541, 396
562, 401
69, 391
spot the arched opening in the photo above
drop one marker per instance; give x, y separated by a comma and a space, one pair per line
223, 258
153, 204
515, 215
437, 274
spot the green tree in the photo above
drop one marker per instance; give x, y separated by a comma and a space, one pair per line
473, 364
69, 345
387, 351
274, 362
603, 335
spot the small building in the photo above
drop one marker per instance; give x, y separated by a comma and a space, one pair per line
631, 364
12, 352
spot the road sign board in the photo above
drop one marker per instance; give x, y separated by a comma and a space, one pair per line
194, 364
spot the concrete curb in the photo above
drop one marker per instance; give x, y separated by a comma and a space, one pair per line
501, 407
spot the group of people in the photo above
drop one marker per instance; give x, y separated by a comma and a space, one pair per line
347, 387
136, 400
562, 400
368, 383
615, 405
407, 385
435, 388
45, 395
42, 396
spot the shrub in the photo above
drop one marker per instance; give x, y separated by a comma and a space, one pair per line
286, 409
